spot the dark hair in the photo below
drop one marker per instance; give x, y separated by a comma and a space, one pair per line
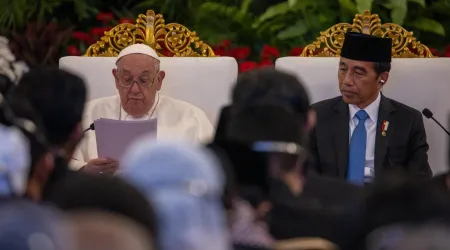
271, 87
58, 97
401, 198
82, 192
229, 191
5, 84
381, 67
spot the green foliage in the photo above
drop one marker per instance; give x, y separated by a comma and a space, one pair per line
16, 13
250, 23
298, 22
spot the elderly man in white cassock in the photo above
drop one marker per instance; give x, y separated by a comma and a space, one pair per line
138, 78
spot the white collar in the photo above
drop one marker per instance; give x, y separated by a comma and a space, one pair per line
372, 109
123, 115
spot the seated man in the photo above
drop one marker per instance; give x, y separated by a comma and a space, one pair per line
362, 134
138, 79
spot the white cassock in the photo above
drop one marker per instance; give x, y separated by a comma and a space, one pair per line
176, 120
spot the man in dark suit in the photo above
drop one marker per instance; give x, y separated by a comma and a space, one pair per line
362, 134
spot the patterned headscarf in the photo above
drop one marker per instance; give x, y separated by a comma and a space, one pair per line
185, 184
14, 161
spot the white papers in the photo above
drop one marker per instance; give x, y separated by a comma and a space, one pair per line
114, 136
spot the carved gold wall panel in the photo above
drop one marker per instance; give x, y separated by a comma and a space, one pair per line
167, 39
404, 44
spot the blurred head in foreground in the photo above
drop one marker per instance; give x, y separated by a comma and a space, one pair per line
83, 192
264, 135
404, 214
28, 226
58, 98
265, 131
103, 231
185, 186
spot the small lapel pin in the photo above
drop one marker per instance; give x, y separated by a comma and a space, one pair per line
384, 128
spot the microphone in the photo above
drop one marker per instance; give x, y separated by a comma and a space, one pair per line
428, 114
91, 127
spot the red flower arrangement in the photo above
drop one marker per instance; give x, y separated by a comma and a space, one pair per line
266, 56
85, 39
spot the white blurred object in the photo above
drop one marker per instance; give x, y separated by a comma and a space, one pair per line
14, 161
8, 65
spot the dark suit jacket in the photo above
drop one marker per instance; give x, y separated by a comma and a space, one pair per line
404, 145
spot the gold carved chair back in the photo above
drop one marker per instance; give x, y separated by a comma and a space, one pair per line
404, 44
170, 40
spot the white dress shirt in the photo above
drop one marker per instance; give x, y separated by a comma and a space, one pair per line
177, 120
371, 129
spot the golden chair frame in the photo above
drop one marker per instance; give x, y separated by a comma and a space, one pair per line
173, 40
404, 44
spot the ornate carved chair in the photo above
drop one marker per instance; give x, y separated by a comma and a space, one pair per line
417, 78
404, 44
193, 73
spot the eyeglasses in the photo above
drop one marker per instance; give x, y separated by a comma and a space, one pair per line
143, 81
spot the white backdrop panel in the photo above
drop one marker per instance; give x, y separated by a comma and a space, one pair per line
419, 83
204, 82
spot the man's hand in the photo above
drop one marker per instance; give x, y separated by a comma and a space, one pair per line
101, 166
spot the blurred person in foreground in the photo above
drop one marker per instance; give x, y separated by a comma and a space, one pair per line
106, 194
14, 163
401, 213
28, 226
265, 134
19, 115
57, 97
185, 185
138, 80
362, 134
33, 107
103, 231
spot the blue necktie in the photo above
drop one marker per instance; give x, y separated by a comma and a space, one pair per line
357, 152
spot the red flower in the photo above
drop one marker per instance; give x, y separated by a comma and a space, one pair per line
265, 63
105, 16
167, 53
225, 43
81, 36
247, 66
99, 31
240, 53
219, 51
126, 20
317, 51
447, 51
73, 50
269, 52
435, 52
296, 51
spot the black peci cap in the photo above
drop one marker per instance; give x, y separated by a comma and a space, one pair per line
362, 47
